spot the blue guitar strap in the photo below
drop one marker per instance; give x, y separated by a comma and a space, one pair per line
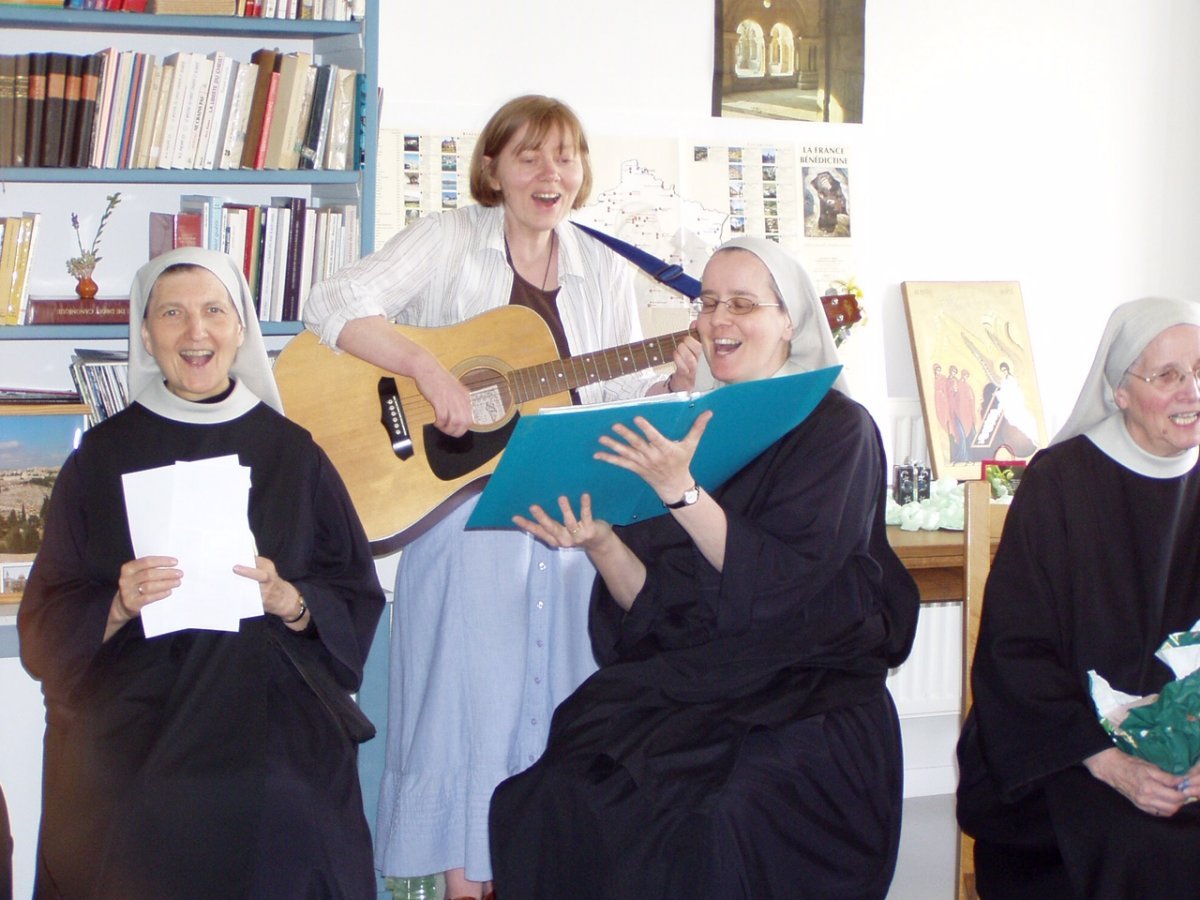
660, 270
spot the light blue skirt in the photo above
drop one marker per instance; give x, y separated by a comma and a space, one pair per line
489, 634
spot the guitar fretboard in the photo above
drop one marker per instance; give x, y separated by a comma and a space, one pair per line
591, 368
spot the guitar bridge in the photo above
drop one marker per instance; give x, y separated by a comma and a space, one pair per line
391, 415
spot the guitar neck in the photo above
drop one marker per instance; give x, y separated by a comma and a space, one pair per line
574, 372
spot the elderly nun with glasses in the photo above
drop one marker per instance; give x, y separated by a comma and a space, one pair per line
1099, 562
738, 739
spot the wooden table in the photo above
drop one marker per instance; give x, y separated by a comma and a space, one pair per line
935, 558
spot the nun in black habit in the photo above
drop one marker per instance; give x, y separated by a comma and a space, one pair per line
738, 740
200, 763
1098, 563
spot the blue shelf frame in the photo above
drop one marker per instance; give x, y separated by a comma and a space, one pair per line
179, 176
51, 18
364, 178
110, 332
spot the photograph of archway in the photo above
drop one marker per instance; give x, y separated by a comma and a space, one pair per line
789, 59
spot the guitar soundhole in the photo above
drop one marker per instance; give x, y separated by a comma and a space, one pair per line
491, 398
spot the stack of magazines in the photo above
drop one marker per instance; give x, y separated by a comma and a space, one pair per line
11, 396
102, 379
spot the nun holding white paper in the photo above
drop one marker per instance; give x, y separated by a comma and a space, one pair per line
1099, 562
200, 762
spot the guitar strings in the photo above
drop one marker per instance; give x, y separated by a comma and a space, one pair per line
518, 381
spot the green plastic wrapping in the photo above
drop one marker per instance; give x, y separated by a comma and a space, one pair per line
1167, 731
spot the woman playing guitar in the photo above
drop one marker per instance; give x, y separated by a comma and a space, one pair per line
489, 628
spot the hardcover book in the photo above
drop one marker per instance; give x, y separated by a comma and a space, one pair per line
289, 98
312, 148
74, 311
72, 99
161, 113
38, 63
104, 103
218, 67
192, 115
182, 66
294, 249
27, 232
234, 139
53, 109
216, 114
8, 76
147, 114
9, 304
340, 140
20, 109
85, 125
119, 96
267, 62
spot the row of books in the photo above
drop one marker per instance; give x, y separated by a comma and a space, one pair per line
126, 109
18, 235
284, 248
337, 10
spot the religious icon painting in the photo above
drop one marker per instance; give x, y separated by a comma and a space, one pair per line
979, 391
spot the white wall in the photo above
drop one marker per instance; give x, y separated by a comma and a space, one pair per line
1044, 142
1049, 142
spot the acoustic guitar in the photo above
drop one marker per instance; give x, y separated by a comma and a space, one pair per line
403, 474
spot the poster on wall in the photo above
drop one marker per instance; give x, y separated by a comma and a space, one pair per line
678, 199
789, 59
979, 390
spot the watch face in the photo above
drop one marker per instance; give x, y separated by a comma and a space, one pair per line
690, 496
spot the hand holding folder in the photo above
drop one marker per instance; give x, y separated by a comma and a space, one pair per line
551, 454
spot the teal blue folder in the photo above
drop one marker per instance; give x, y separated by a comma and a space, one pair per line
551, 453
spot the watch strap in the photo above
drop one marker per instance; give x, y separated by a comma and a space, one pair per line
690, 496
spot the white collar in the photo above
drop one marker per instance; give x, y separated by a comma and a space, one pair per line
156, 398
1114, 440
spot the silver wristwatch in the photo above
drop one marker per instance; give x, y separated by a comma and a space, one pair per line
690, 496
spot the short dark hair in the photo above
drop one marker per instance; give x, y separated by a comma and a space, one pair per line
541, 114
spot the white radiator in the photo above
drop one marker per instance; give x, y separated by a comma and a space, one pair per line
929, 683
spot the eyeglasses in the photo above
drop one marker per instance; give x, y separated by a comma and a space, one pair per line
739, 306
1169, 379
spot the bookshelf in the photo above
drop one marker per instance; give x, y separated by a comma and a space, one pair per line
57, 192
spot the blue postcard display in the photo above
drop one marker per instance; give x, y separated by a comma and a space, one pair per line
551, 453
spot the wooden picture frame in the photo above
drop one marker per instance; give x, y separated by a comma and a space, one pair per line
975, 372
35, 441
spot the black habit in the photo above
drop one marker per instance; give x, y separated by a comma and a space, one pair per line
199, 763
738, 740
1097, 565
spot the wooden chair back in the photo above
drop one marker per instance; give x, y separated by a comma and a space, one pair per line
978, 530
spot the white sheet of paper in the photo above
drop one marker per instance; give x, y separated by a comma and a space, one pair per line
196, 512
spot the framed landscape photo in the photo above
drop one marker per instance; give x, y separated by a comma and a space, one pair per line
35, 440
975, 372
